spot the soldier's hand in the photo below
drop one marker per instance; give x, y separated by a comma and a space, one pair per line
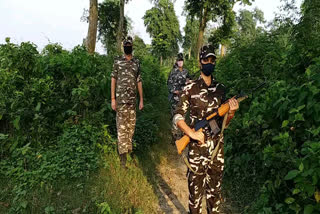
141, 105
234, 105
198, 136
114, 104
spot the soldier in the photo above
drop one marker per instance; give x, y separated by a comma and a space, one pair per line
125, 79
176, 81
201, 96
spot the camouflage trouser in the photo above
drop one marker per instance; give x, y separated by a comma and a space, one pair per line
208, 183
126, 121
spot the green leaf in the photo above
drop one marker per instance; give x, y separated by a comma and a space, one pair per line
3, 136
292, 174
298, 117
285, 123
24, 204
38, 106
49, 209
301, 107
314, 180
16, 123
0, 116
296, 191
310, 189
289, 200
293, 110
301, 167
316, 132
308, 209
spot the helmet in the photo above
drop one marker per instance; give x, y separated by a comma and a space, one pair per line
128, 41
206, 51
180, 57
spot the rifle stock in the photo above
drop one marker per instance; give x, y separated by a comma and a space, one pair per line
182, 143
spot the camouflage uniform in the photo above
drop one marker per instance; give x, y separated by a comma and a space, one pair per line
203, 99
176, 81
127, 74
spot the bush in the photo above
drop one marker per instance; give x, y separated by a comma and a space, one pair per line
272, 144
56, 119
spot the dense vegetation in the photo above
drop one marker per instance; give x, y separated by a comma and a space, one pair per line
273, 145
56, 121
57, 129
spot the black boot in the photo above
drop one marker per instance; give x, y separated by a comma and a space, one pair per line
123, 160
133, 159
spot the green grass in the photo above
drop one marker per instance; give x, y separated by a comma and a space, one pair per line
110, 189
124, 191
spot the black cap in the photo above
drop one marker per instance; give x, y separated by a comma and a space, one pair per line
206, 51
180, 57
128, 41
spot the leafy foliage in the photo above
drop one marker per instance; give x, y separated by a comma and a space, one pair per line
109, 12
141, 50
217, 11
191, 31
163, 26
272, 145
55, 115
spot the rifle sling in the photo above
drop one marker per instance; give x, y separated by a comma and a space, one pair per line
215, 151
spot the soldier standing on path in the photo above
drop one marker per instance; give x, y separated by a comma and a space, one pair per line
205, 171
125, 79
176, 81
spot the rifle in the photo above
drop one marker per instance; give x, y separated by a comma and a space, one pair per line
182, 143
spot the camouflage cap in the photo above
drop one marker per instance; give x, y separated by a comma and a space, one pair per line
206, 51
128, 40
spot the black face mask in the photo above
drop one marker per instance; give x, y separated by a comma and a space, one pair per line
208, 69
127, 50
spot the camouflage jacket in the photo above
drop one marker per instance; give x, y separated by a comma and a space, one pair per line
201, 100
127, 74
176, 81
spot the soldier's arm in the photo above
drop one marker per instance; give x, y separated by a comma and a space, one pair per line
170, 82
232, 103
178, 118
113, 88
114, 77
140, 90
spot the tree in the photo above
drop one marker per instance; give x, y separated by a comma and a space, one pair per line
207, 10
191, 30
109, 12
163, 26
139, 47
92, 30
121, 26
306, 34
247, 22
245, 28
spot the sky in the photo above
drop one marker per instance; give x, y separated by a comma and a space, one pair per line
58, 21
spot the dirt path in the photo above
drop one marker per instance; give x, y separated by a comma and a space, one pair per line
172, 184
173, 188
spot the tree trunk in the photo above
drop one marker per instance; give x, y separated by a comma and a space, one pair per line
120, 27
189, 57
93, 23
202, 27
223, 50
161, 60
